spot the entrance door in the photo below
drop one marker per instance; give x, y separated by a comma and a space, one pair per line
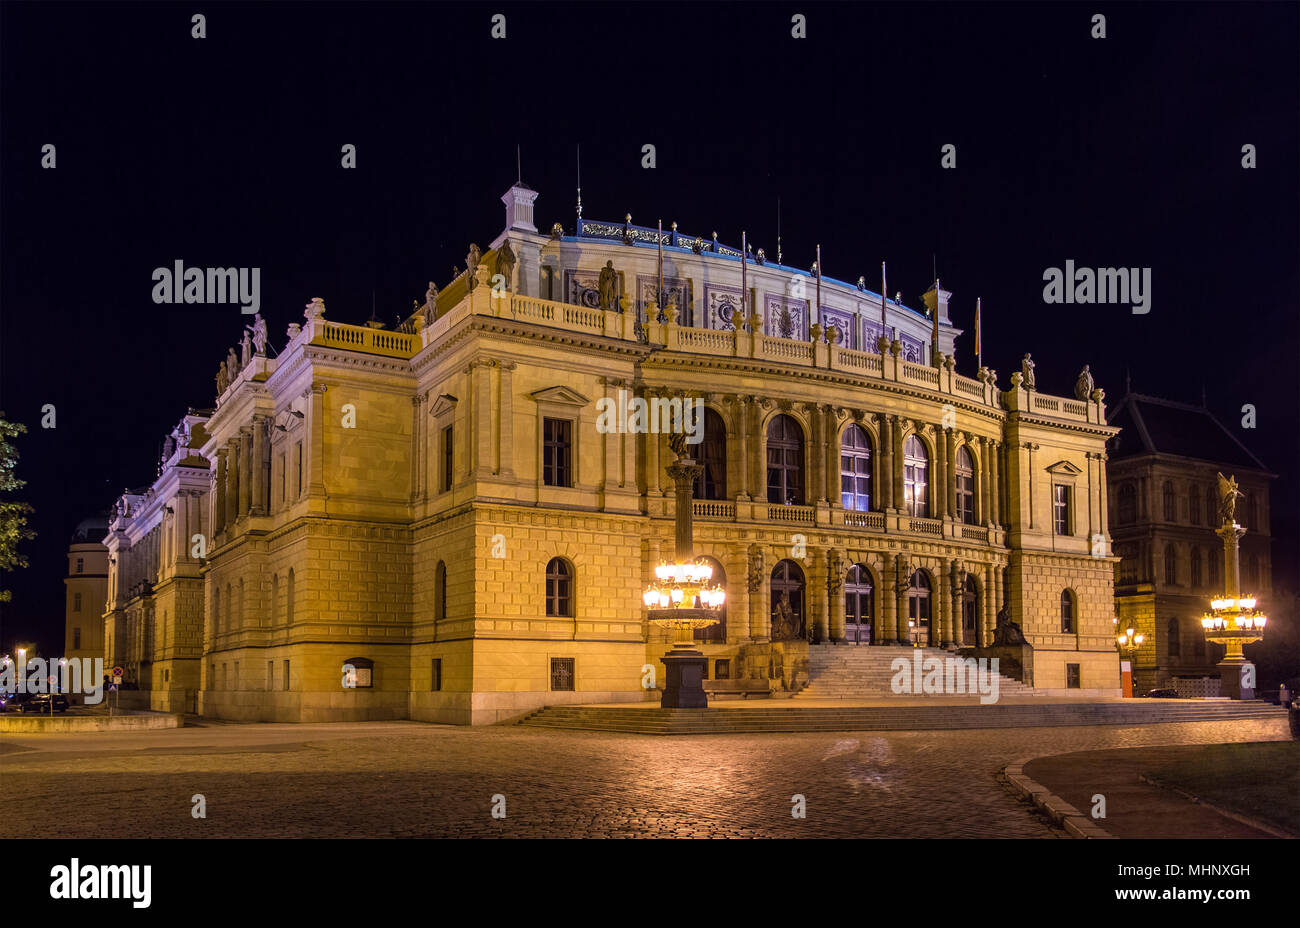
787, 602
858, 612
918, 608
969, 611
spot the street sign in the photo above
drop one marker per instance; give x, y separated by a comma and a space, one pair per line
119, 672
112, 687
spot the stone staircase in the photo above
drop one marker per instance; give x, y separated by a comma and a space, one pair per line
864, 672
790, 716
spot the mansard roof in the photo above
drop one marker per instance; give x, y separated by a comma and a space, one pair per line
1153, 425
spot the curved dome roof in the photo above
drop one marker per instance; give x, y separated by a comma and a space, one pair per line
92, 529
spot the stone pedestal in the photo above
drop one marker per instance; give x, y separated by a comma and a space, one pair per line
684, 686
1231, 674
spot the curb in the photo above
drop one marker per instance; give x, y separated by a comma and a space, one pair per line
1074, 822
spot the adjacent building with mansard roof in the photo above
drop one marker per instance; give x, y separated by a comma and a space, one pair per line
1164, 510
434, 508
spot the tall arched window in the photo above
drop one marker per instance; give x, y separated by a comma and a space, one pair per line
785, 461
918, 605
1195, 568
1127, 504
1067, 612
1171, 565
859, 605
716, 633
787, 601
1175, 644
915, 477
965, 486
559, 587
288, 600
1170, 502
855, 469
440, 592
712, 482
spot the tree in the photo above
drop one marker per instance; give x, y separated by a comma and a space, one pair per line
13, 514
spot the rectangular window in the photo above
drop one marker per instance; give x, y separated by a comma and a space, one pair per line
722, 669
562, 674
1072, 676
270, 675
557, 449
76, 639
437, 675
236, 675
81, 564
167, 676
1061, 509
448, 456
298, 472
76, 602
286, 675
225, 676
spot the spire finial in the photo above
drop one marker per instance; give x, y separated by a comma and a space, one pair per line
580, 182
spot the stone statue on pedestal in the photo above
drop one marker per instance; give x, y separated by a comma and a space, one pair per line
755, 568
258, 328
1007, 632
232, 364
506, 262
223, 379
1027, 372
606, 285
1228, 494
472, 261
245, 349
1083, 386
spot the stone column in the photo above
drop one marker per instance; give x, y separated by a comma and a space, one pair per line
316, 431
904, 632
939, 481
507, 427
884, 485
741, 447
985, 478
481, 384
982, 622
246, 469
939, 635
757, 466
999, 597
652, 465
995, 481
886, 631
232, 481
836, 569
757, 581
737, 604
258, 507
417, 447
816, 445
958, 601
815, 593
950, 441
1103, 516
832, 456
896, 461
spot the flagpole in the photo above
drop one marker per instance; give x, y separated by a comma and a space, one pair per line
659, 294
819, 284
884, 326
744, 276
979, 349
934, 330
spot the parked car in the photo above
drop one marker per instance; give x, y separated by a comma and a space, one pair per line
1162, 692
13, 702
41, 703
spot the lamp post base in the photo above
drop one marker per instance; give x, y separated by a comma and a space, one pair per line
1233, 679
684, 686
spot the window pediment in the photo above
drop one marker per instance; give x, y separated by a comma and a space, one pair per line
1064, 468
443, 405
560, 395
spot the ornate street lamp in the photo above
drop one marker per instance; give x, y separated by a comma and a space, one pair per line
1233, 620
681, 597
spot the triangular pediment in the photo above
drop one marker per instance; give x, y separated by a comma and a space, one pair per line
1064, 468
562, 395
443, 404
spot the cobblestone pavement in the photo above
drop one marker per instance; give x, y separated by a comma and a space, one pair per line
408, 779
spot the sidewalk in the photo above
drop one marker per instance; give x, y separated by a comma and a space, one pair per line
1134, 809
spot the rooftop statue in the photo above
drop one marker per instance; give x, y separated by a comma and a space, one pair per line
258, 328
431, 295
607, 284
232, 364
506, 262
1083, 386
1228, 494
223, 379
472, 260
1027, 372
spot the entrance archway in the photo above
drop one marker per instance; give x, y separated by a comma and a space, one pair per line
859, 605
787, 601
969, 612
919, 608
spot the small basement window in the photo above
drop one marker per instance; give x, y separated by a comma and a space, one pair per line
358, 673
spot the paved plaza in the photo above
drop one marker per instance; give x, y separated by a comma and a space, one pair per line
407, 779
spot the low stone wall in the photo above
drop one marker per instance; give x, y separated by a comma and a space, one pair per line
63, 723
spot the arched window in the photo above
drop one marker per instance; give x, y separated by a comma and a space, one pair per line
970, 611
859, 605
1170, 502
716, 633
1171, 565
712, 482
358, 673
785, 461
918, 605
1175, 645
965, 487
1195, 568
787, 601
559, 587
1067, 612
288, 600
915, 477
440, 592
1127, 504
855, 469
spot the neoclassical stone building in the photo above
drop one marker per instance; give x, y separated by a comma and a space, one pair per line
428, 523
1164, 509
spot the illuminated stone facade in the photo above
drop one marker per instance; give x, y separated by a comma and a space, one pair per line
435, 508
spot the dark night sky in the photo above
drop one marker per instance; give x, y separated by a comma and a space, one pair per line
225, 152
